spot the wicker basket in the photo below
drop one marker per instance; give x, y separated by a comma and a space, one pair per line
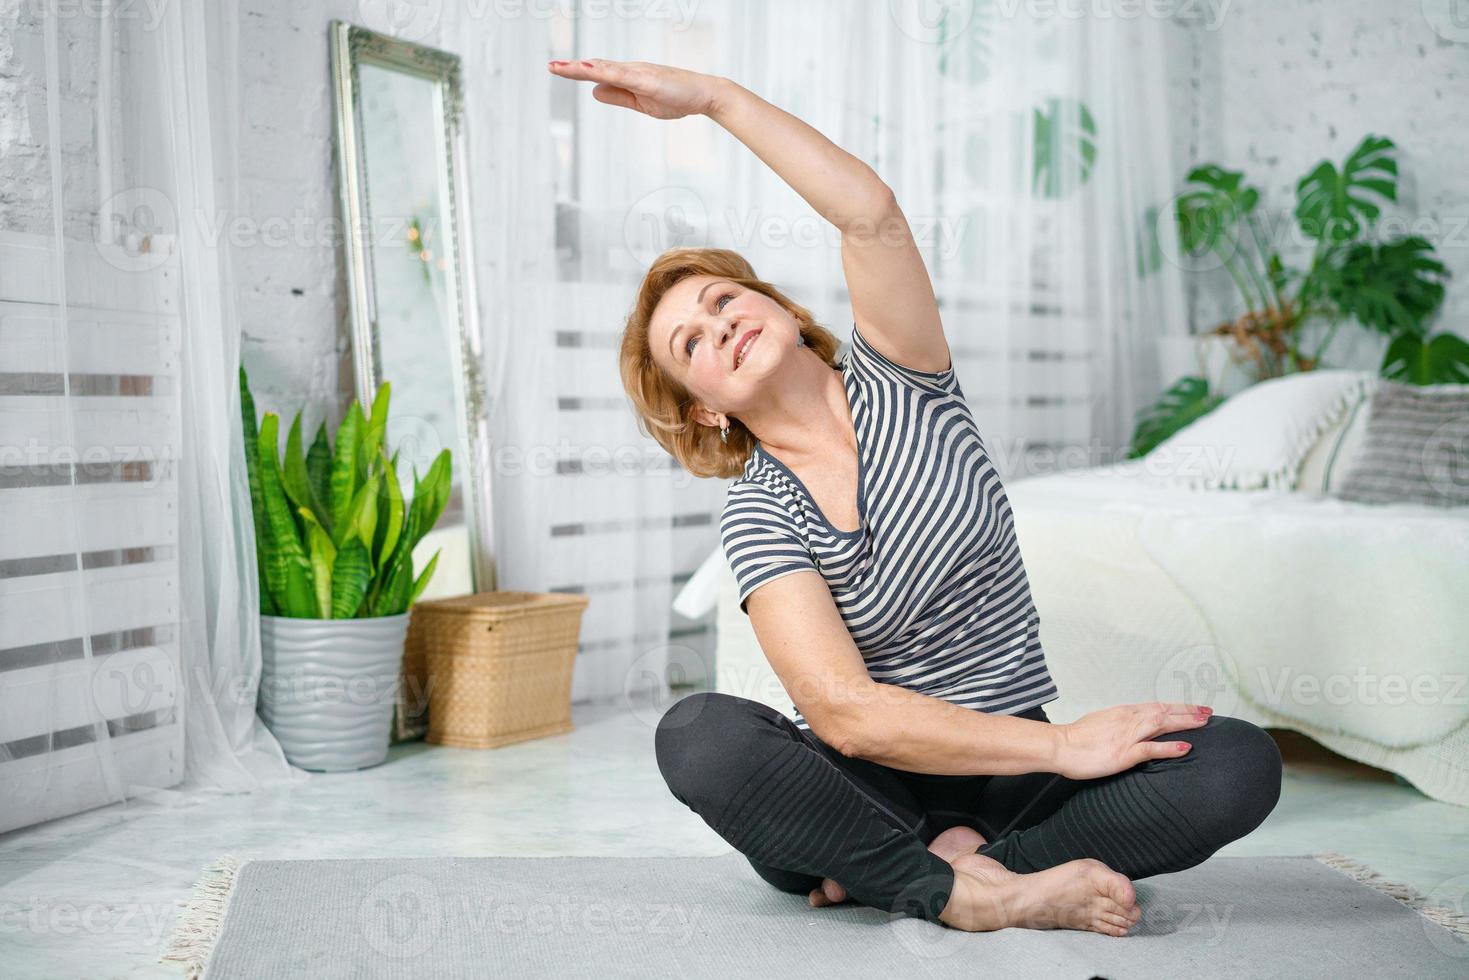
499, 665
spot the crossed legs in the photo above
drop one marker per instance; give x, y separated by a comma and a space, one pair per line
802, 813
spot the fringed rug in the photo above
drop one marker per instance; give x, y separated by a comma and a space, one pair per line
1321, 915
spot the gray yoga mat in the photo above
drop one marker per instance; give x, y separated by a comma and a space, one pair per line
676, 917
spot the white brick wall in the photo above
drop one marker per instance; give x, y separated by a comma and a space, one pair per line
1286, 83
25, 170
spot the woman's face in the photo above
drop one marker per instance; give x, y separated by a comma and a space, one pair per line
720, 339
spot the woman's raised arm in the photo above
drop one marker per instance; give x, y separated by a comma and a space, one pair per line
892, 297
840, 187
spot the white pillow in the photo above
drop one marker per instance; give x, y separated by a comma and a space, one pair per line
1259, 437
1332, 454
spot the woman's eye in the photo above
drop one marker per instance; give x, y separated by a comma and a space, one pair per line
692, 342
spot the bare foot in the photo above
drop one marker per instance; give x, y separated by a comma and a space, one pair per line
1083, 894
948, 845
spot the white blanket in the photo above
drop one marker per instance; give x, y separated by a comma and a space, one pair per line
1347, 617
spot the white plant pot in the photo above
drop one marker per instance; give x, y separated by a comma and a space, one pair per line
328, 686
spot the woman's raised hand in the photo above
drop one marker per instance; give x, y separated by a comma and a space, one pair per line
654, 90
1116, 739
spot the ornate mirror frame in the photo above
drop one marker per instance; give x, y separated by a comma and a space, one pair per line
352, 46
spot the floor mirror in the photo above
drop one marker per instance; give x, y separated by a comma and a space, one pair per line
401, 177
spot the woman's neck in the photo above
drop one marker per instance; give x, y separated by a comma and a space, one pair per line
807, 417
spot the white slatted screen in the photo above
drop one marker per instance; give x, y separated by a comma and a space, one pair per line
90, 673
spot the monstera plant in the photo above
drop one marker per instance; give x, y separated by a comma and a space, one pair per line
334, 539
1390, 286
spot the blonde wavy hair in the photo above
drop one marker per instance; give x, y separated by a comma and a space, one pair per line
664, 407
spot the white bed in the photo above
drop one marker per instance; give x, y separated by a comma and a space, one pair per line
1347, 622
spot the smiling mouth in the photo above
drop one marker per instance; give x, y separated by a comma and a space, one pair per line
744, 348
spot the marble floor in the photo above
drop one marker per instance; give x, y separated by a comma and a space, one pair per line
93, 895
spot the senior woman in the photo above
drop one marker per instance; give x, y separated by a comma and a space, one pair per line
876, 558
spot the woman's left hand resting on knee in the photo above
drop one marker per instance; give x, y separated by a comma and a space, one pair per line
1114, 740
660, 91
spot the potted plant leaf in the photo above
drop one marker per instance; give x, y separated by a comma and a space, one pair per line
334, 546
1391, 286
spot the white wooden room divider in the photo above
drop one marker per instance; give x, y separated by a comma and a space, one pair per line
90, 670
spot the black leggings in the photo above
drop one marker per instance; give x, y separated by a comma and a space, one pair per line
800, 811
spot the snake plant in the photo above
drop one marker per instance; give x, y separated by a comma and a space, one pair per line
333, 536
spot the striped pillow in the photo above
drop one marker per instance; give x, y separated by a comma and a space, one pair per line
1416, 447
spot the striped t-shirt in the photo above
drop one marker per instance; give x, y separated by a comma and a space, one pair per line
931, 585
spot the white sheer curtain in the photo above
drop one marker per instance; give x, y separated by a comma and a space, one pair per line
130, 655
1031, 156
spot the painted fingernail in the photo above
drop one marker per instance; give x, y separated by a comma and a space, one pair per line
587, 63
1181, 746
